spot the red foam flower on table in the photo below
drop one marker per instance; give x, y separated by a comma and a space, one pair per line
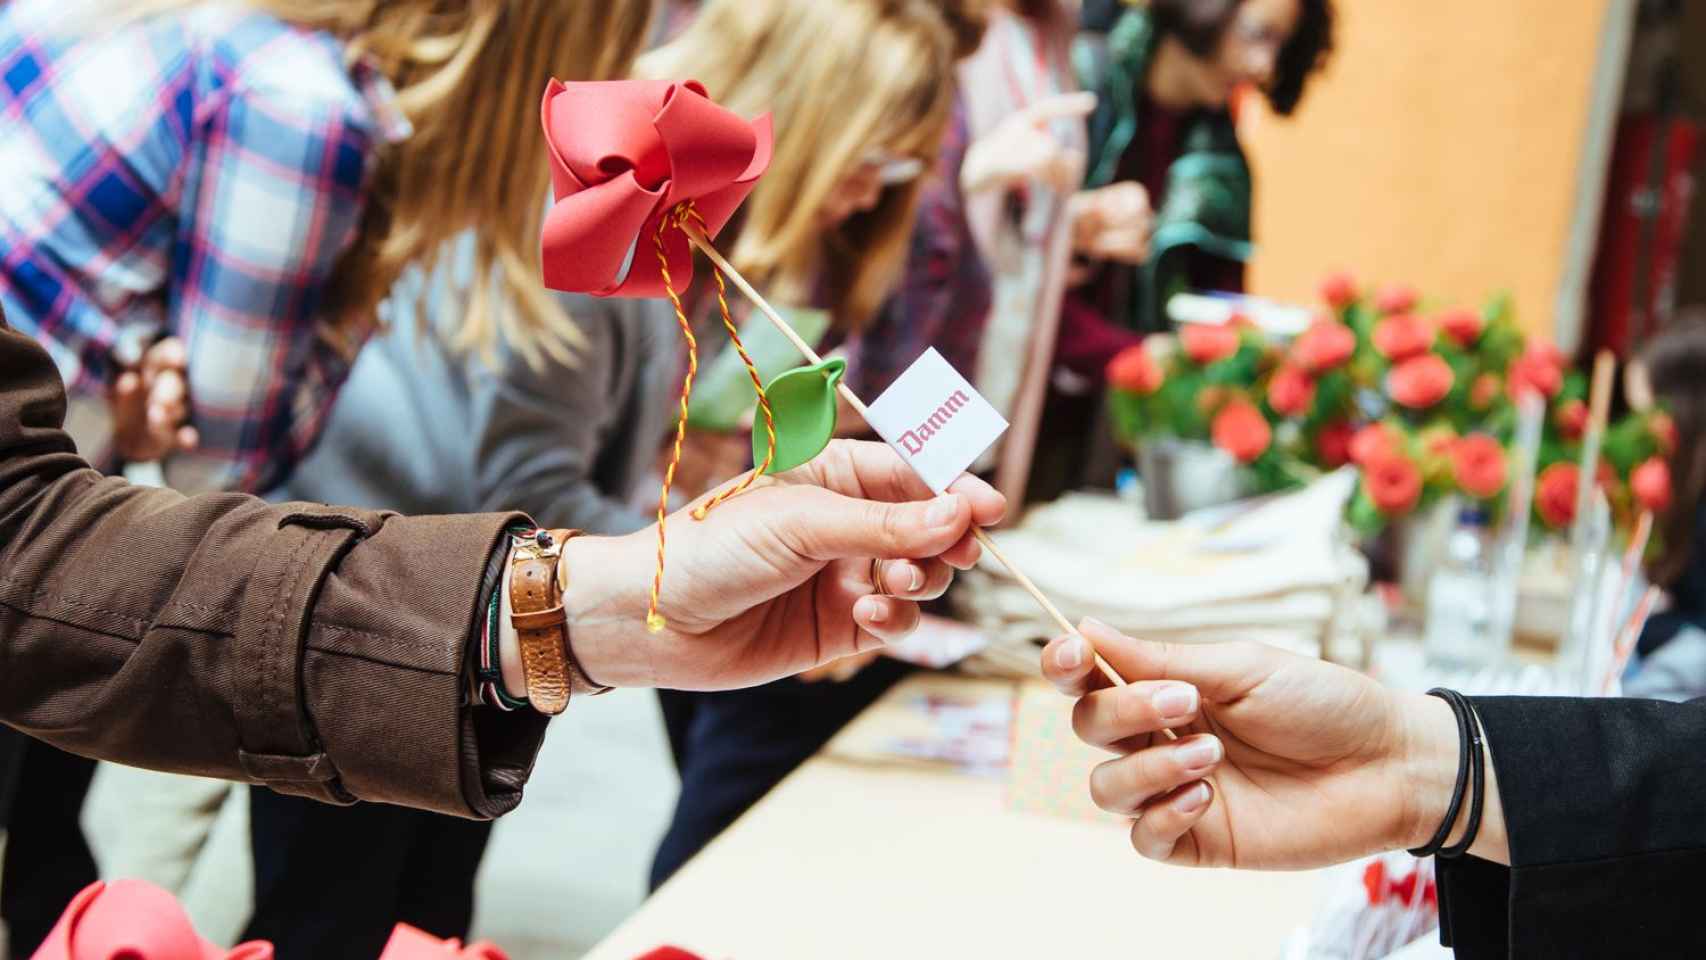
1462, 326
1484, 391
1394, 484
1420, 382
1396, 298
1402, 336
1663, 429
1540, 368
1650, 483
1327, 344
1241, 430
1291, 392
1373, 442
1208, 343
624, 155
1555, 494
1478, 464
1572, 419
1134, 369
1339, 289
1333, 444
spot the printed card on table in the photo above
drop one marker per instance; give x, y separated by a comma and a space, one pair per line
937, 422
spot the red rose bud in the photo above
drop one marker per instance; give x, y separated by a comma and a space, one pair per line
1327, 344
1420, 382
1555, 495
1394, 485
1374, 442
1478, 464
1241, 321
1540, 368
1241, 430
1333, 444
1462, 326
1663, 429
1484, 391
1650, 483
1135, 370
1402, 336
1208, 343
1572, 419
1396, 298
1291, 392
1339, 289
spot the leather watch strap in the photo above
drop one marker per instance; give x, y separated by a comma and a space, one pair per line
541, 625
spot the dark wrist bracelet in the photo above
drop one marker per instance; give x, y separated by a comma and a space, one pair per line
1477, 778
1465, 746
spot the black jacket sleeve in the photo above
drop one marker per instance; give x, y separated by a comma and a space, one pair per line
1605, 805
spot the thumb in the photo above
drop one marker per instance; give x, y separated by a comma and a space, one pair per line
1221, 671
825, 526
1059, 107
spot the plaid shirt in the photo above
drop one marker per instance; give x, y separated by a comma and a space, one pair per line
196, 175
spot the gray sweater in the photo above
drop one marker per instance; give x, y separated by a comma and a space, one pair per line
421, 429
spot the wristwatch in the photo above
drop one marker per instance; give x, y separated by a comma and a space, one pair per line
537, 580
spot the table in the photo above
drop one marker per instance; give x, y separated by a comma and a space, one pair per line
854, 856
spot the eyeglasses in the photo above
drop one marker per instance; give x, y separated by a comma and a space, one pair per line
891, 170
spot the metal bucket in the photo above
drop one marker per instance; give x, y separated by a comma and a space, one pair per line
1180, 476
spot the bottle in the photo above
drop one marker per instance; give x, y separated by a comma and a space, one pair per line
1470, 604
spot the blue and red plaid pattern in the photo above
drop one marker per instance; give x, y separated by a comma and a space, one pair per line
197, 175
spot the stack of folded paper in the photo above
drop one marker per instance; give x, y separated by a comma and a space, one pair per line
1277, 570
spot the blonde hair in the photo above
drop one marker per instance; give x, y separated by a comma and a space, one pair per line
469, 77
841, 77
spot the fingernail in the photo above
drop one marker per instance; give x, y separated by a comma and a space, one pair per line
916, 580
876, 611
1175, 702
1199, 754
942, 511
1071, 653
1192, 800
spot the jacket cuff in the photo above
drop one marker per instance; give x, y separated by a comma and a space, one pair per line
356, 644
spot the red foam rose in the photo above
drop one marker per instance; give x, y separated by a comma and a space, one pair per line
1373, 442
1478, 464
1663, 429
1327, 344
1540, 368
1208, 343
1241, 430
1402, 336
1339, 289
1462, 326
1333, 443
1291, 392
1396, 298
626, 153
1555, 494
1650, 483
1572, 419
1420, 382
1135, 370
1394, 484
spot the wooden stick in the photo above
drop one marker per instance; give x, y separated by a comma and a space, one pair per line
1599, 409
704, 244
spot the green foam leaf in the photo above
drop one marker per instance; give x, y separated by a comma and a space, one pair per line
803, 402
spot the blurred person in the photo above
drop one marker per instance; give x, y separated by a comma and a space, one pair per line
423, 428
860, 91
1584, 839
988, 264
340, 653
201, 239
1672, 647
1168, 192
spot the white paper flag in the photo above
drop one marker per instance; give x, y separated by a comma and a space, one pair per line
937, 422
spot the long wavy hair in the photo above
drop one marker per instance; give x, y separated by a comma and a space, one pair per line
841, 77
469, 75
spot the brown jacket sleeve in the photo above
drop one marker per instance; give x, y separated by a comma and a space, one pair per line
317, 650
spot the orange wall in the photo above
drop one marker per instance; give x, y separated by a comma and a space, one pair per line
1440, 148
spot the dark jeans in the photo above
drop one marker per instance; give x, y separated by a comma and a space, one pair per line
47, 858
731, 748
332, 881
